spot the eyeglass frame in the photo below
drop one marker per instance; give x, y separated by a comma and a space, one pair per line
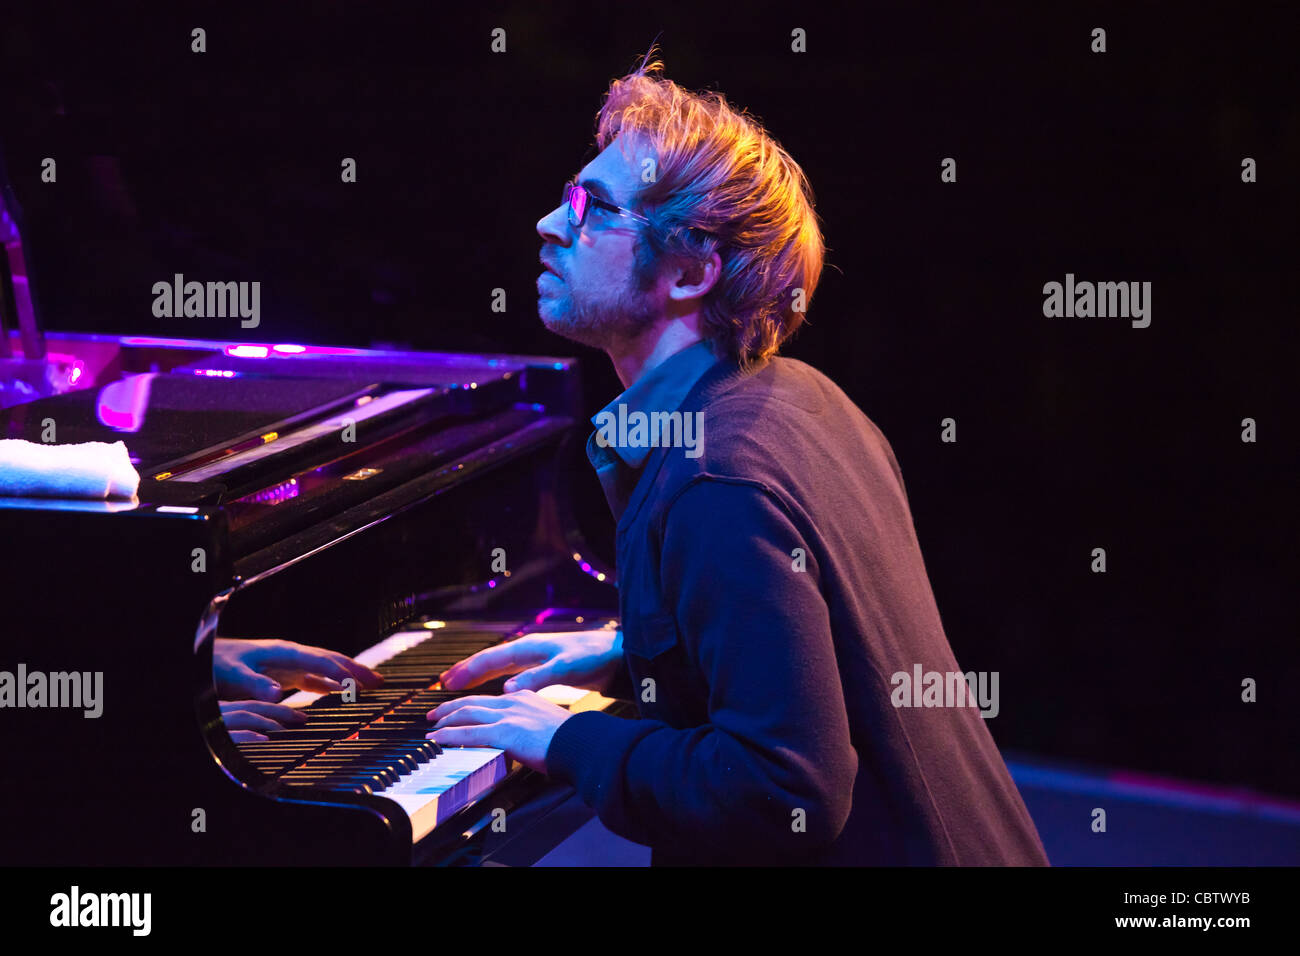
592, 200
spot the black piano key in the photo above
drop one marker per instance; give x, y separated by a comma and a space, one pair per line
394, 733
372, 765
346, 752
344, 787
420, 748
370, 748
374, 781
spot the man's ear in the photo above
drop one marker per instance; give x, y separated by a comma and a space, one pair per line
696, 278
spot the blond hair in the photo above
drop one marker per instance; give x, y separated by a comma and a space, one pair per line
721, 183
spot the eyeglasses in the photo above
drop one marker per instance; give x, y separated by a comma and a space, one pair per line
579, 200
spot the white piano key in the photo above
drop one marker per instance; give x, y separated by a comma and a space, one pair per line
450, 781
574, 699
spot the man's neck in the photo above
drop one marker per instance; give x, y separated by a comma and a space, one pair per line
633, 358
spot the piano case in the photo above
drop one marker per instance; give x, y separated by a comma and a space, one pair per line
396, 504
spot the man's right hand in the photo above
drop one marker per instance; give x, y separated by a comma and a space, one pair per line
586, 659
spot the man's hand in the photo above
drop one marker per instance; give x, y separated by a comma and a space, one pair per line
586, 659
260, 670
522, 724
247, 720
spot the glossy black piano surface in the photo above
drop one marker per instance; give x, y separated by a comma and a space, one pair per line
256, 517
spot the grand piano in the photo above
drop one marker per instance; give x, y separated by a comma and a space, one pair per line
403, 507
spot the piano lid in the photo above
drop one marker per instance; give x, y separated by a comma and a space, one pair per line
207, 412
162, 417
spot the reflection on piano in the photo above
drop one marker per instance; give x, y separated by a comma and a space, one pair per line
404, 508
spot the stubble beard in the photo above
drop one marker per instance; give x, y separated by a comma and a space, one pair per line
599, 321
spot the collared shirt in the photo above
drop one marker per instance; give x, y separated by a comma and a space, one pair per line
662, 389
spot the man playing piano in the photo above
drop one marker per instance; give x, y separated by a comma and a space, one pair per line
771, 586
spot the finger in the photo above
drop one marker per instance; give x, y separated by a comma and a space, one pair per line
315, 684
474, 700
498, 661
257, 686
359, 672
277, 712
469, 716
535, 678
247, 720
246, 736
481, 735
288, 657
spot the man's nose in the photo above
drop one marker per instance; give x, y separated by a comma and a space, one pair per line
554, 226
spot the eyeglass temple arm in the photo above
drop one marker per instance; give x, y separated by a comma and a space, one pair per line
600, 203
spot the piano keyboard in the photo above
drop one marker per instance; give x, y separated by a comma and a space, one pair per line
377, 744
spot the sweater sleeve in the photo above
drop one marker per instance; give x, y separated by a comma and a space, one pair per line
770, 775
620, 686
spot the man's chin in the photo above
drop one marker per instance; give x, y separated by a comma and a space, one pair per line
583, 337
561, 326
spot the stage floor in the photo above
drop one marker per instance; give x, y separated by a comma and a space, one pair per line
1150, 821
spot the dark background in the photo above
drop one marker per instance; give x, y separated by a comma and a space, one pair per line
1072, 433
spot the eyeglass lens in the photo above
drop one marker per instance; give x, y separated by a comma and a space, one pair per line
576, 197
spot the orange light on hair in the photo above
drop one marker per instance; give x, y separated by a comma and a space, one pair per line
722, 184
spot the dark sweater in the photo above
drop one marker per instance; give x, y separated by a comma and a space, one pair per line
767, 732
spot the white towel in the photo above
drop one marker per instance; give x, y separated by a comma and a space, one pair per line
92, 469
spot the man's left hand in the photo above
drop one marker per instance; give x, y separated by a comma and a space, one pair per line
522, 724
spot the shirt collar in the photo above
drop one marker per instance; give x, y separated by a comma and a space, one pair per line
662, 389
